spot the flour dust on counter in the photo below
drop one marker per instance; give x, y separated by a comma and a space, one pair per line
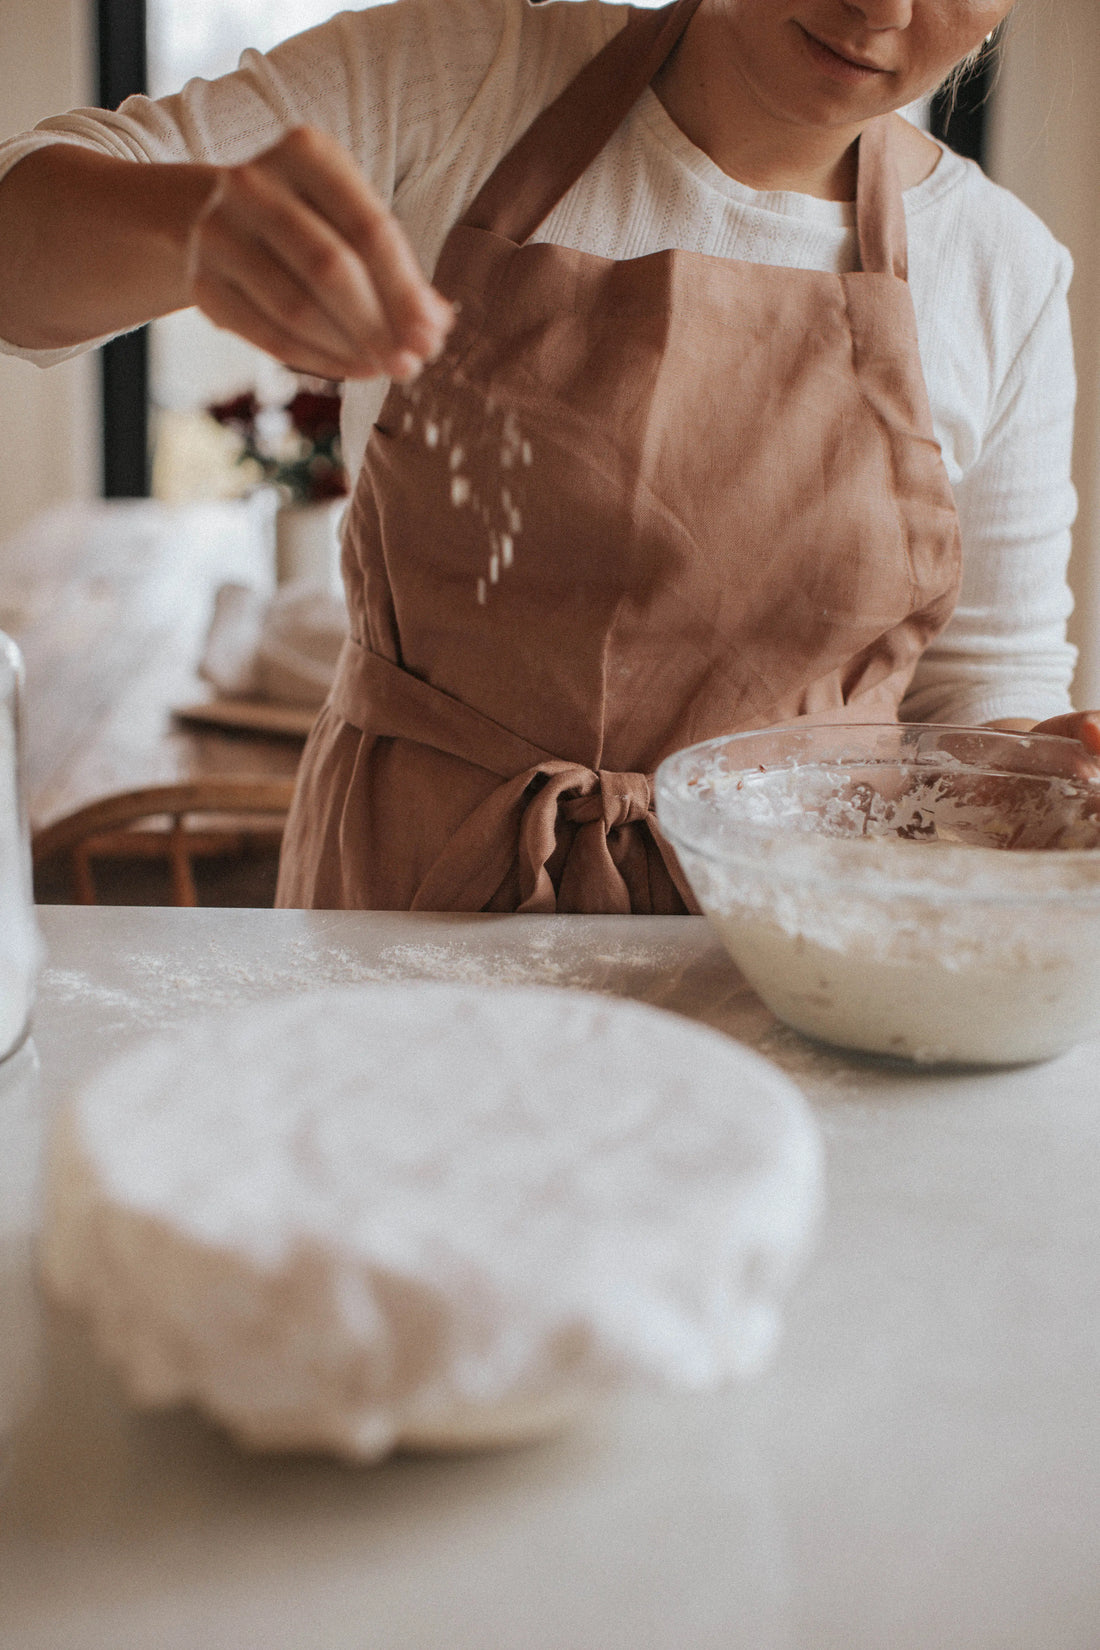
150, 992
156, 992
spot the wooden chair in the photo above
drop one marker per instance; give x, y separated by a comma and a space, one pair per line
173, 823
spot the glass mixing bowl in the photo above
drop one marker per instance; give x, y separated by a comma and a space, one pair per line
929, 893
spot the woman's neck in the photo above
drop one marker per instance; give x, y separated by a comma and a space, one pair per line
718, 112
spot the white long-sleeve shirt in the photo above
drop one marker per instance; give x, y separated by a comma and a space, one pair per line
427, 97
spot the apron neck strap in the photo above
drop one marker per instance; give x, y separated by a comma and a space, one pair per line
567, 136
880, 213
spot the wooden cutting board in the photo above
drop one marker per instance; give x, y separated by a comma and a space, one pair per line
250, 715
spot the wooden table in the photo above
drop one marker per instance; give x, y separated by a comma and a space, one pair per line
110, 604
920, 1469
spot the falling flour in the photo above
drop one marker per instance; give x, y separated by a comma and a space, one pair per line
509, 451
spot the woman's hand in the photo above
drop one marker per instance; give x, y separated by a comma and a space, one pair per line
1083, 725
295, 252
292, 250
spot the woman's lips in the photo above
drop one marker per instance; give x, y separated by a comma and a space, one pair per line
837, 63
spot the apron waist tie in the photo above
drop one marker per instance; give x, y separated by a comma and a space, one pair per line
518, 823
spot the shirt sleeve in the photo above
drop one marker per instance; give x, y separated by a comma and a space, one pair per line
1004, 652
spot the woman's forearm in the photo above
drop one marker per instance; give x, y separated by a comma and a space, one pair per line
292, 250
94, 245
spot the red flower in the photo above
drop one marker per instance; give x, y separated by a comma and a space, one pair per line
308, 466
316, 417
326, 481
238, 414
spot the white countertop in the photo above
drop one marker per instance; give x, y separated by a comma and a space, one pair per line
920, 1470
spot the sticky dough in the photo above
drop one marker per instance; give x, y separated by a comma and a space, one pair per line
428, 1214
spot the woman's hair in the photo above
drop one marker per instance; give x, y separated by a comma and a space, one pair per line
985, 53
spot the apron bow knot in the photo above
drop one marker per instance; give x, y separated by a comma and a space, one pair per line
515, 837
613, 799
585, 862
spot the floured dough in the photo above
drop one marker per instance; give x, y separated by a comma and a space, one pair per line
428, 1213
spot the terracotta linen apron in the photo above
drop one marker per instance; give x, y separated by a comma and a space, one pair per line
735, 514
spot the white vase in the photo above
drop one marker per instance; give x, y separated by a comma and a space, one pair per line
307, 544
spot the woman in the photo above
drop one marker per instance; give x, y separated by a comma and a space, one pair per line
670, 255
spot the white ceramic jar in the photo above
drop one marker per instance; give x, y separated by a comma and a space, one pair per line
307, 545
19, 941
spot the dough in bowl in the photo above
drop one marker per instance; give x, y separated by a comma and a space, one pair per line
428, 1214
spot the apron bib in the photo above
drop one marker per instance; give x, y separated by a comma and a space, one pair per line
735, 514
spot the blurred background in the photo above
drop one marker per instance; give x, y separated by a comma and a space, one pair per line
130, 420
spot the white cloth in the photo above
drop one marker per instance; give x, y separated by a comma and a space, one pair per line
283, 648
435, 1213
427, 97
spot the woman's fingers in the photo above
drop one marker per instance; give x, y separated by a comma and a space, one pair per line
235, 254
326, 176
296, 247
236, 311
1083, 725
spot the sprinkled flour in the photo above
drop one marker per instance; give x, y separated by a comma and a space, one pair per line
500, 437
158, 993
151, 992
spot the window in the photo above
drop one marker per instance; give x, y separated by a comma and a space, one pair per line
191, 362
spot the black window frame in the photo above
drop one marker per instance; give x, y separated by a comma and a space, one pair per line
124, 362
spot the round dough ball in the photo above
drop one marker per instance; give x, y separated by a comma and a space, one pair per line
428, 1213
